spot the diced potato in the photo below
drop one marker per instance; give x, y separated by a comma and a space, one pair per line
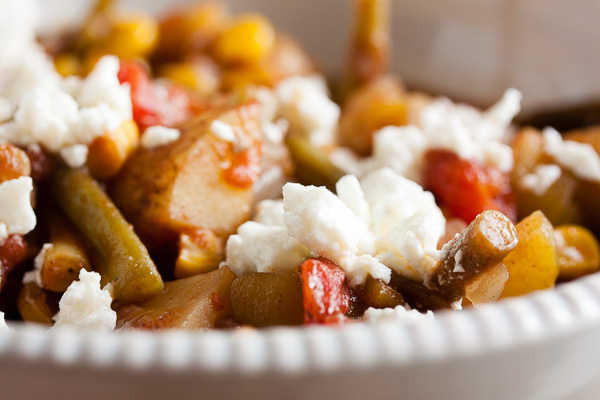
36, 304
191, 183
577, 250
200, 251
588, 192
377, 104
487, 286
532, 265
482, 246
248, 38
14, 162
557, 203
108, 153
198, 302
265, 299
66, 257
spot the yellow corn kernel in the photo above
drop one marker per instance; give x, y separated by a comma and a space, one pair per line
577, 250
202, 76
247, 40
131, 36
200, 251
239, 78
108, 153
67, 64
532, 265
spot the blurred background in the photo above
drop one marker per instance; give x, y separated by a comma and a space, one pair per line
469, 50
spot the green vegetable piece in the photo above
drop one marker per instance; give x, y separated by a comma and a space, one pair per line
126, 261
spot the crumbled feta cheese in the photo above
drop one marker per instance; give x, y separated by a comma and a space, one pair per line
305, 104
579, 158
59, 114
540, 180
102, 86
15, 205
473, 135
269, 212
275, 132
3, 326
156, 136
322, 222
38, 263
3, 232
458, 268
222, 131
263, 248
398, 314
6, 109
85, 305
74, 156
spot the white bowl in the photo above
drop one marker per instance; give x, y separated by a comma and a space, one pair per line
541, 346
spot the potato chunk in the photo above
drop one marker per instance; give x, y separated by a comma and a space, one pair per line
532, 264
198, 302
577, 250
264, 299
201, 181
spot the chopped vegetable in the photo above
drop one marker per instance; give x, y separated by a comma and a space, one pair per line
577, 250
265, 299
126, 261
532, 265
483, 245
326, 296
467, 188
197, 302
153, 104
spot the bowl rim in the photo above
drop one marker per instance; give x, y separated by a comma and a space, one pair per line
510, 323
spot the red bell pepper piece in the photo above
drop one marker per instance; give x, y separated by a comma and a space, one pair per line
153, 104
326, 296
466, 188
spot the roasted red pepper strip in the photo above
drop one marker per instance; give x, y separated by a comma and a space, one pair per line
153, 104
467, 188
326, 296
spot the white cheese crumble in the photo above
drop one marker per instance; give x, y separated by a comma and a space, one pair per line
15, 205
222, 131
383, 222
579, 158
38, 263
75, 156
85, 305
157, 136
3, 326
305, 103
263, 248
541, 179
398, 314
473, 135
60, 114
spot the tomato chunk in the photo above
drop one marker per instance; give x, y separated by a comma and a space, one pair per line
467, 188
153, 104
326, 296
